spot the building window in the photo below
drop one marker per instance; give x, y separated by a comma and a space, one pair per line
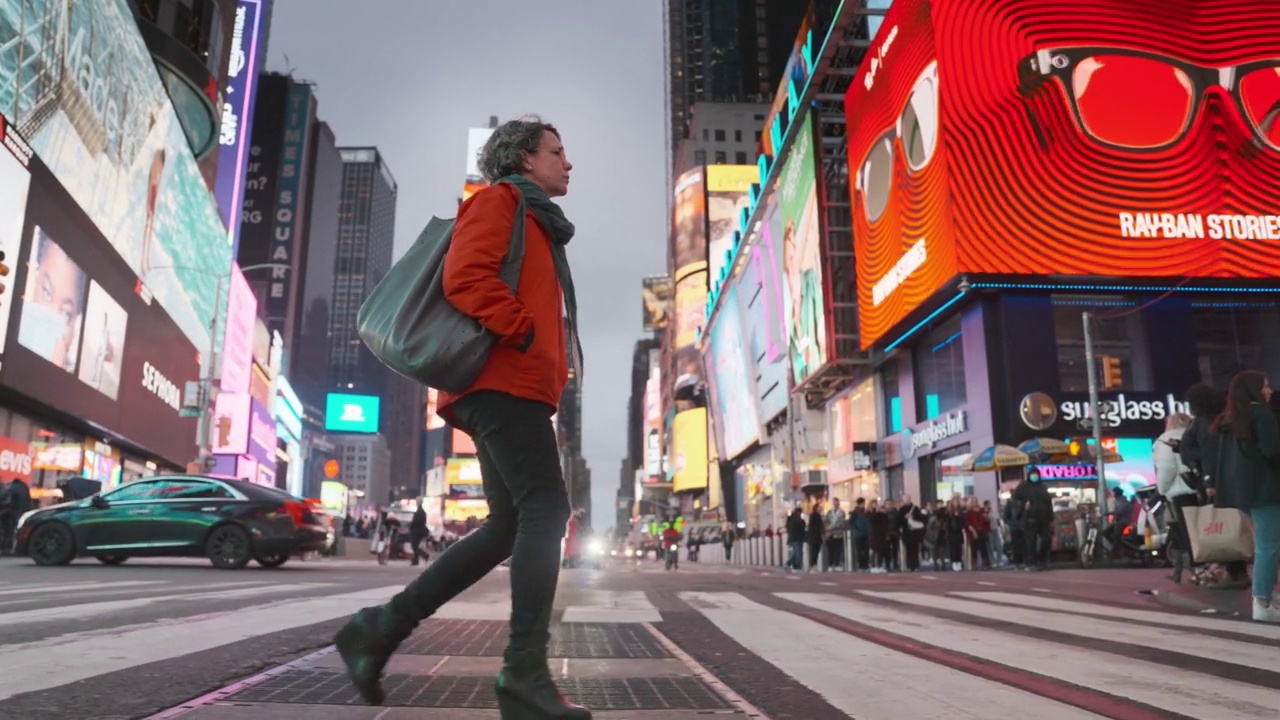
740, 158
699, 157
722, 158
892, 399
759, 135
1231, 339
1117, 333
706, 134
720, 136
939, 370
737, 136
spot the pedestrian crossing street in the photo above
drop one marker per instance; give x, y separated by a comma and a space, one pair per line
871, 654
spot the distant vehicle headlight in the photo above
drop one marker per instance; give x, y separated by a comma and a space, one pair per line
595, 547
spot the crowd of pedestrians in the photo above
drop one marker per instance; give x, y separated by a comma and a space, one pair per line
894, 535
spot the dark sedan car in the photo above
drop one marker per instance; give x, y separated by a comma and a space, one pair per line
228, 521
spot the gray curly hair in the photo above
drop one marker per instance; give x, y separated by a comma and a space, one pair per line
503, 153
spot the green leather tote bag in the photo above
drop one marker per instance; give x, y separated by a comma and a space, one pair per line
412, 328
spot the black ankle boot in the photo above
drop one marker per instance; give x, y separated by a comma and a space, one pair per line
366, 644
525, 690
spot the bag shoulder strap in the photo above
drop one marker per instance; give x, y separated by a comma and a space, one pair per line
513, 263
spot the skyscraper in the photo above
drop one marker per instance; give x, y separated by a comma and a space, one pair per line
726, 51
366, 232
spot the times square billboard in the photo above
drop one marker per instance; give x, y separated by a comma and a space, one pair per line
1135, 139
119, 246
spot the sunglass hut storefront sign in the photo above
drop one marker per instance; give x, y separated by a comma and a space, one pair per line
1115, 412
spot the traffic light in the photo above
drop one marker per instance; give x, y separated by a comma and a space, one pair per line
4, 272
1075, 446
1111, 377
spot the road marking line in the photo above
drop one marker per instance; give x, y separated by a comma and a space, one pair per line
772, 635
61, 588
1169, 688
1043, 590
929, 577
1259, 657
988, 584
82, 611
1271, 632
26, 667
737, 701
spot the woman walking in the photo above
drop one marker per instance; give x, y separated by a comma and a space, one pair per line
1247, 478
507, 411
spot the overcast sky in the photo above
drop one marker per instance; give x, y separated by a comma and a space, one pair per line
410, 76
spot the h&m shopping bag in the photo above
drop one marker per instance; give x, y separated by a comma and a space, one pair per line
1219, 535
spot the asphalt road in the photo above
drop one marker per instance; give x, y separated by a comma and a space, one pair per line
88, 641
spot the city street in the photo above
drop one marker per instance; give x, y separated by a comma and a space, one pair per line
179, 639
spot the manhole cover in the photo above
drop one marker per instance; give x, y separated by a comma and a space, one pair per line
325, 687
487, 638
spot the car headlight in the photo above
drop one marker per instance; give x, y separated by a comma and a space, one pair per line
595, 547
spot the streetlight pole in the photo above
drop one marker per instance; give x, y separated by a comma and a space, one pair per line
1091, 367
205, 392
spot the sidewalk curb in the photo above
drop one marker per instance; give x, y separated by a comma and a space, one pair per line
242, 684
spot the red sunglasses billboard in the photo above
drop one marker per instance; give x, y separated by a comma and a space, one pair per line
1123, 138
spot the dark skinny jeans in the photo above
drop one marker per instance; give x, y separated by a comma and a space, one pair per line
528, 512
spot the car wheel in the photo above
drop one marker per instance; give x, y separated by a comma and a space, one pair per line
52, 544
112, 559
228, 547
272, 561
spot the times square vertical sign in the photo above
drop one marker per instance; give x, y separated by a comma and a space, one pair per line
286, 220
248, 45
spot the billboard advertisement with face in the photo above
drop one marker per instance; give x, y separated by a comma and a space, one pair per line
83, 91
802, 249
1101, 137
79, 308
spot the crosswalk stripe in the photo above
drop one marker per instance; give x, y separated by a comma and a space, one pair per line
1270, 632
794, 644
1160, 686
65, 587
58, 661
613, 606
1251, 655
83, 611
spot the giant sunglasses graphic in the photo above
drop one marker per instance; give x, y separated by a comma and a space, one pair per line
916, 131
1140, 101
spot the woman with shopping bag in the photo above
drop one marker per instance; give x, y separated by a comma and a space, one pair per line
1247, 478
505, 403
